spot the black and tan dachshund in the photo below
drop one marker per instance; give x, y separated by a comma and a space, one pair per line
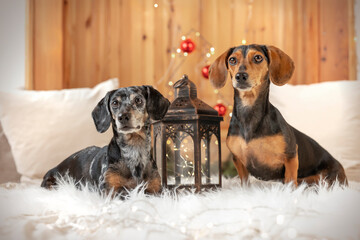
127, 160
261, 141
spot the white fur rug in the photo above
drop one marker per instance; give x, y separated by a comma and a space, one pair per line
258, 211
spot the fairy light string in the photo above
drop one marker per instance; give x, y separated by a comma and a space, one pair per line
142, 213
178, 57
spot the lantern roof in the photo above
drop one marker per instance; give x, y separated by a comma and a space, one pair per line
187, 106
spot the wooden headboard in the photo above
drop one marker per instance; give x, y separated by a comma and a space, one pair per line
81, 43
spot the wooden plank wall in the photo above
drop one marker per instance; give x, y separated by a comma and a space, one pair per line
79, 43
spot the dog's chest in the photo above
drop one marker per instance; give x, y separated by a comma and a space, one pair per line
136, 154
265, 152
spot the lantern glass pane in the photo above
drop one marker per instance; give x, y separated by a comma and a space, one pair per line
180, 159
158, 153
170, 161
210, 160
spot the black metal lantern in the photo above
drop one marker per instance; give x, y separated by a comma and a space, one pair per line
187, 143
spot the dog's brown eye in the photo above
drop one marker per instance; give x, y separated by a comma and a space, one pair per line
138, 100
115, 103
232, 61
258, 58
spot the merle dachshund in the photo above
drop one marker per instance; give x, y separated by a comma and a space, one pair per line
127, 160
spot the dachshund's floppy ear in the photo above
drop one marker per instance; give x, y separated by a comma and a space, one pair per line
156, 104
101, 113
218, 71
281, 66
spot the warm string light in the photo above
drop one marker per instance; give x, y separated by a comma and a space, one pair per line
210, 49
207, 50
142, 213
186, 163
178, 56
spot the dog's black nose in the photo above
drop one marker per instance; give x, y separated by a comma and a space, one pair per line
124, 118
241, 76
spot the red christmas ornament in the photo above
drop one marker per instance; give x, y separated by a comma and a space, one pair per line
205, 71
220, 108
187, 45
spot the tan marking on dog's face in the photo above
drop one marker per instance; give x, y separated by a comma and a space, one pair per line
268, 151
129, 101
256, 71
140, 114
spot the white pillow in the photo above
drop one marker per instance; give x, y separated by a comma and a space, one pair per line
45, 127
328, 112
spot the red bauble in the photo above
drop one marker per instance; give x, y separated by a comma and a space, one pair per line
187, 45
205, 71
220, 108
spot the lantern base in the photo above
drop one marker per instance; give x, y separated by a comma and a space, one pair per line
192, 188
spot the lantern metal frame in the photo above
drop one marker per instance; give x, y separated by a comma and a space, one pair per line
188, 114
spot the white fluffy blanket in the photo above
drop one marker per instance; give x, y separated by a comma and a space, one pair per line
258, 211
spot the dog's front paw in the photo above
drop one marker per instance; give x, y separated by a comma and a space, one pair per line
291, 181
244, 181
49, 182
117, 178
153, 186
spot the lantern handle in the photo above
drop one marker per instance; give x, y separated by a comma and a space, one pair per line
184, 81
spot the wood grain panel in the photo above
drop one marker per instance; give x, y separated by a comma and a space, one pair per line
334, 35
47, 40
81, 43
163, 37
334, 40
306, 47
352, 43
29, 48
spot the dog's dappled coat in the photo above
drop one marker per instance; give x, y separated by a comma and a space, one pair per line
127, 160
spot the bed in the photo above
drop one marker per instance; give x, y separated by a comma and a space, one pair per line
39, 129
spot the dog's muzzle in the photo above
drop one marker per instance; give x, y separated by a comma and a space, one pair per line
126, 125
124, 118
241, 76
241, 81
